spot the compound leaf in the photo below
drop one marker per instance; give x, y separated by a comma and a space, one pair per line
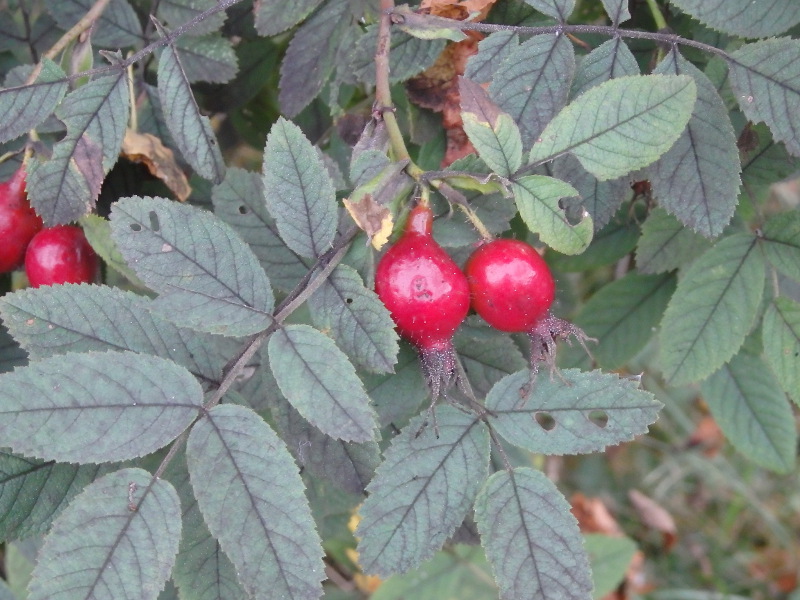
208, 278
666, 245
257, 510
422, 491
356, 319
765, 77
558, 9
319, 381
579, 412
781, 337
743, 17
531, 539
712, 310
275, 16
782, 243
24, 107
118, 537
300, 194
620, 125
96, 407
753, 412
492, 51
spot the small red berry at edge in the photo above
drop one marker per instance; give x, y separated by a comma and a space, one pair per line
60, 254
18, 222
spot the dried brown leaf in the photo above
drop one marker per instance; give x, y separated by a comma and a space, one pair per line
148, 150
654, 516
376, 220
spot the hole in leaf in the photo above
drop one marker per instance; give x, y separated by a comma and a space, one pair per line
243, 210
136, 227
599, 418
154, 224
349, 300
545, 421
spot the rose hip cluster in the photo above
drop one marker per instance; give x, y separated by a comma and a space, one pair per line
51, 255
506, 282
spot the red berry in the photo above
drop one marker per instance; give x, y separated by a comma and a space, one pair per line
511, 285
18, 222
60, 254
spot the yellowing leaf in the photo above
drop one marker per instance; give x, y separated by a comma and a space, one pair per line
374, 219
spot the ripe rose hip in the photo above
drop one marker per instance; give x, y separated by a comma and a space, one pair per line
426, 294
18, 222
60, 254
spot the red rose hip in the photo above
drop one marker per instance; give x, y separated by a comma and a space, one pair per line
60, 254
18, 222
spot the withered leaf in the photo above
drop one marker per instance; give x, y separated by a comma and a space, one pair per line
374, 219
148, 150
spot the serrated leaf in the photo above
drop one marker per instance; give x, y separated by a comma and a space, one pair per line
609, 60
492, 51
532, 83
576, 413
608, 246
782, 243
623, 316
82, 318
397, 397
118, 537
207, 58
538, 200
558, 9
33, 492
422, 491
764, 77
300, 194
96, 407
258, 512
319, 381
744, 17
712, 310
617, 11
781, 335
408, 56
611, 558
531, 539
208, 278
190, 130
634, 121
239, 201
66, 186
346, 465
25, 107
666, 245
493, 133
764, 162
274, 16
117, 26
311, 56
356, 319
11, 355
753, 412
697, 179
486, 360
177, 12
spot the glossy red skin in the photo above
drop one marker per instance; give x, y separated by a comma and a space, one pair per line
18, 222
511, 285
60, 254
424, 290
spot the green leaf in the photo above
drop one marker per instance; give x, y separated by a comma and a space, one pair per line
11, 355
532, 83
609, 245
121, 533
190, 130
486, 360
300, 193
782, 243
33, 492
311, 55
207, 58
712, 310
239, 201
623, 316
425, 26
177, 12
576, 413
744, 17
634, 121
493, 133
117, 26
610, 558
764, 162
81, 318
781, 335
275, 16
397, 397
492, 51
531, 539
609, 60
753, 412
259, 512
208, 278
356, 319
697, 179
98, 231
422, 491
408, 56
558, 9
319, 381
538, 200
764, 77
66, 186
618, 12
25, 107
666, 245
96, 407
